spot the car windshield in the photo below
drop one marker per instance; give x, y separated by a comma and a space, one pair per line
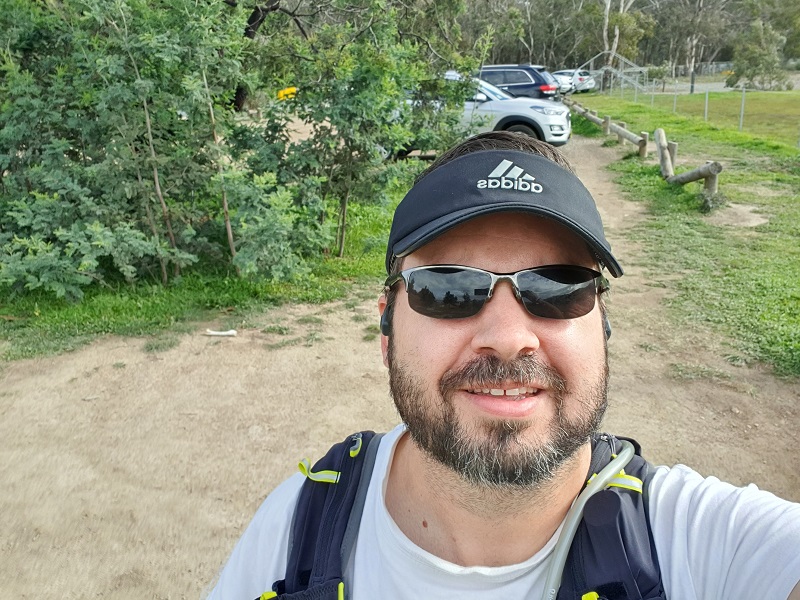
548, 77
494, 93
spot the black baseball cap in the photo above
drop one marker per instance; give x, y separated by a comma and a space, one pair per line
492, 181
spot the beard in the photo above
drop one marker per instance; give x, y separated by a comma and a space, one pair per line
494, 454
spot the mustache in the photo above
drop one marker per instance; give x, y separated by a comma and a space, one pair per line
490, 371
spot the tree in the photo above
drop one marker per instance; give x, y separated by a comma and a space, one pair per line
111, 158
359, 69
757, 58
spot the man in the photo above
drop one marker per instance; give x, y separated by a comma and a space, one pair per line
494, 332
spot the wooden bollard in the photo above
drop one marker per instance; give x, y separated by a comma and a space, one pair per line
607, 125
643, 144
623, 125
663, 153
672, 147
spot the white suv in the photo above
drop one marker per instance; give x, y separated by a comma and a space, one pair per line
491, 109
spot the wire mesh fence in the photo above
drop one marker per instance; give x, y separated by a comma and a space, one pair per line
772, 114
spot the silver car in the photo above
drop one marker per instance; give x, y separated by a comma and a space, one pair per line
492, 109
582, 81
565, 84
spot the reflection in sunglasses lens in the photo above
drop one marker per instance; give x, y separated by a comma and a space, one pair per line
448, 293
456, 293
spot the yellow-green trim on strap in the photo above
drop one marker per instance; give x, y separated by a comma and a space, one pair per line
322, 476
628, 482
267, 595
590, 596
356, 447
341, 590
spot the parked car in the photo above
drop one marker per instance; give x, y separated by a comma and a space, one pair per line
492, 109
582, 81
565, 84
521, 80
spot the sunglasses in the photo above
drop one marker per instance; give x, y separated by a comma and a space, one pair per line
456, 292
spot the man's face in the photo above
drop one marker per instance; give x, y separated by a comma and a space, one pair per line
503, 397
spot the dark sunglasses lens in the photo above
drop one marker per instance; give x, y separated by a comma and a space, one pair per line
448, 292
558, 293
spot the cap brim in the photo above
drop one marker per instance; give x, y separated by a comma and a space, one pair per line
433, 229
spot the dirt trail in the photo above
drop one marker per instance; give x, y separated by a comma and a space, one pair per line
129, 474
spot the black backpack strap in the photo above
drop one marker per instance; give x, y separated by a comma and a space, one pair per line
325, 521
613, 555
354, 522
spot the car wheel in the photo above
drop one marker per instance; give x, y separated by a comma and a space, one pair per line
523, 129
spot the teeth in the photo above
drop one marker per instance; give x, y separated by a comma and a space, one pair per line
525, 391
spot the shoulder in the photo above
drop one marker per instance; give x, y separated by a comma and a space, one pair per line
682, 487
259, 558
717, 540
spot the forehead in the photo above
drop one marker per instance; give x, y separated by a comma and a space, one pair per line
505, 242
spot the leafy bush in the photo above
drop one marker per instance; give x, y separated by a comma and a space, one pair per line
757, 59
121, 155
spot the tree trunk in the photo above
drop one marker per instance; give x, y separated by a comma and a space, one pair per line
253, 23
151, 222
151, 145
606, 45
157, 180
217, 140
342, 225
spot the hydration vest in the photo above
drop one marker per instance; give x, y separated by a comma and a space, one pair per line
612, 556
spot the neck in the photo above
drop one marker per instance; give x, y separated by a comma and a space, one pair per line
473, 525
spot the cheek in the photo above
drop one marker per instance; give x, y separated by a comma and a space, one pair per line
579, 352
429, 346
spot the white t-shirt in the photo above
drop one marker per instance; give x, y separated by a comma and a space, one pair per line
714, 540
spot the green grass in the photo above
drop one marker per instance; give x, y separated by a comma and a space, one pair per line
774, 115
745, 281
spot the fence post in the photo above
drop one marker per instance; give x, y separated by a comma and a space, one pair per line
741, 110
653, 93
643, 144
705, 110
607, 125
675, 97
711, 185
672, 148
663, 153
621, 139
636, 91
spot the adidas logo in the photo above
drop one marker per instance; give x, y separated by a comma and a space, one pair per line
506, 176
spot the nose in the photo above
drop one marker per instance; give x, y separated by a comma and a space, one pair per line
504, 327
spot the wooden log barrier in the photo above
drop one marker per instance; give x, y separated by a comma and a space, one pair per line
625, 134
621, 127
593, 118
663, 154
672, 148
587, 114
708, 170
643, 141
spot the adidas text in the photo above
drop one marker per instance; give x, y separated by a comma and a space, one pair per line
510, 184
506, 176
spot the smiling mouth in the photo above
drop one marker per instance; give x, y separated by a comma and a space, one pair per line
518, 392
